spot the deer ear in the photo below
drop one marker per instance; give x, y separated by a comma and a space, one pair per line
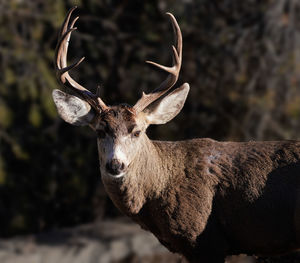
165, 109
72, 109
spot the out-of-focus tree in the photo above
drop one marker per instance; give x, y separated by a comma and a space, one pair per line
240, 57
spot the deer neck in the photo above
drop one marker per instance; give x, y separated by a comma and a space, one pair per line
144, 180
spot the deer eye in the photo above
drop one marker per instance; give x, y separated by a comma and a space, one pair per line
101, 134
136, 134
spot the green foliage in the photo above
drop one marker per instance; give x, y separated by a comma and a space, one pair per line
240, 58
2, 172
5, 116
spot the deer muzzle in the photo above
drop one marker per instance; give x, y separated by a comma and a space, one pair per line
115, 167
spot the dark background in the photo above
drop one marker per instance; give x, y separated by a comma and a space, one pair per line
241, 58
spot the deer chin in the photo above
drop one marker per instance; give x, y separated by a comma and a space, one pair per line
112, 176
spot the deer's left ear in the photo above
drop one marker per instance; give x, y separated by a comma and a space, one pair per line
165, 109
72, 109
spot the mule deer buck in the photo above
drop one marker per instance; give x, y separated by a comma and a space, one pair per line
201, 198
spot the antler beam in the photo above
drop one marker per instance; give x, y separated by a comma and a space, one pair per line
173, 71
62, 70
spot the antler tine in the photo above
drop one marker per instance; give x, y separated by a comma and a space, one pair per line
62, 70
173, 71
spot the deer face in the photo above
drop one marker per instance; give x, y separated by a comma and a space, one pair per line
118, 138
120, 129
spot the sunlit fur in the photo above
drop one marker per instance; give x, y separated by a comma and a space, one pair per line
208, 199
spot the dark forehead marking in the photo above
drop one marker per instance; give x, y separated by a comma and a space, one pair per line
121, 117
121, 111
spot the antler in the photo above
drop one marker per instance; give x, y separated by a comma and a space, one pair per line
166, 85
62, 69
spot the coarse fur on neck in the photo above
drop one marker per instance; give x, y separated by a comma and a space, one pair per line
146, 178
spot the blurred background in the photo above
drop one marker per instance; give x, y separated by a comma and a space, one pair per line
241, 58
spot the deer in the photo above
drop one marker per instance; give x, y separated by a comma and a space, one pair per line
201, 198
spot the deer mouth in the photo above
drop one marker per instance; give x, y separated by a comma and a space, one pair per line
114, 173
120, 175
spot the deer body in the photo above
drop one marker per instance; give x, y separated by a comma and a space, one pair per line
201, 198
217, 198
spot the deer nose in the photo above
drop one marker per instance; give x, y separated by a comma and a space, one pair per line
115, 167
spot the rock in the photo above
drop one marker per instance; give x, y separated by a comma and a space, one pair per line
115, 241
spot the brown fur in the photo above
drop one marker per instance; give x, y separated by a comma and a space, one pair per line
207, 199
114, 116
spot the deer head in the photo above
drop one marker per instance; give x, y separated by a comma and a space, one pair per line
120, 129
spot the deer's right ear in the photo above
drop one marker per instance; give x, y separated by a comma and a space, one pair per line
72, 109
